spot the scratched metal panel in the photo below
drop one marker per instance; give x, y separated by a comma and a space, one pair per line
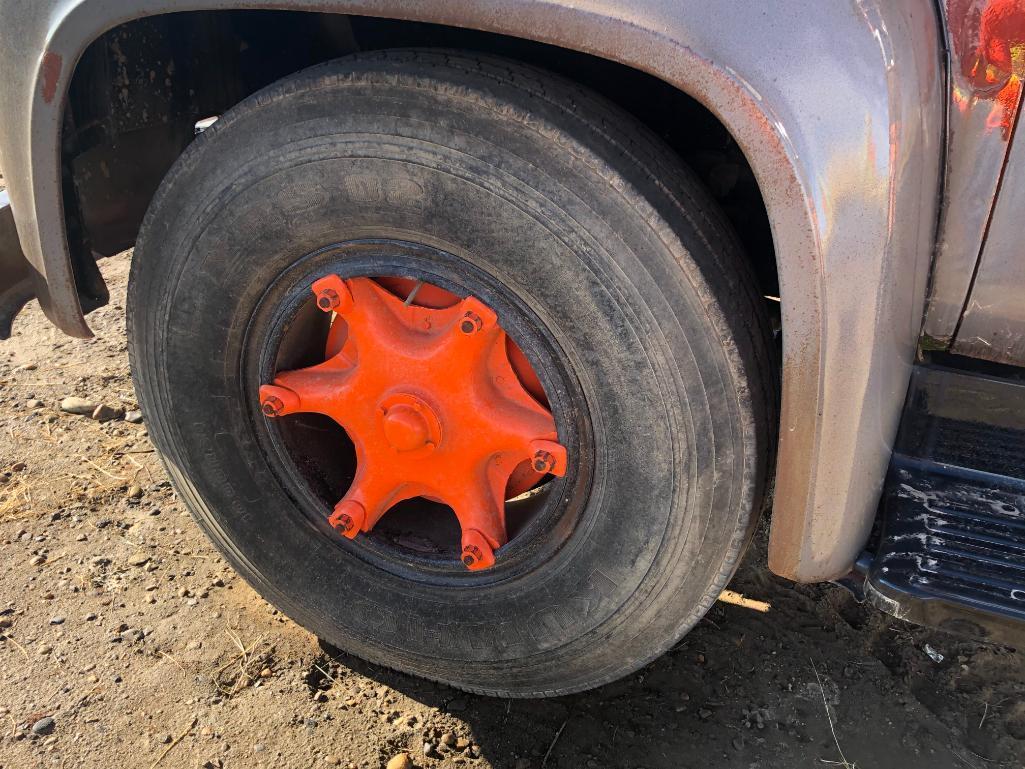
993, 326
984, 95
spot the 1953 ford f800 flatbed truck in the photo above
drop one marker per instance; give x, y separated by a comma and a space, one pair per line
477, 334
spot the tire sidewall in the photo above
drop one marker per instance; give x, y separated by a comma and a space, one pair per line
336, 161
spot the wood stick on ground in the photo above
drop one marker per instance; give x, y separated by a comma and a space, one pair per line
17, 645
174, 742
829, 718
544, 761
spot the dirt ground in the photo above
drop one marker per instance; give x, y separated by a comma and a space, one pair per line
122, 625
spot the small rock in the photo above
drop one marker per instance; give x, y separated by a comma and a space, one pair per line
44, 650
90, 616
105, 413
56, 620
401, 761
134, 491
139, 558
193, 645
34, 403
462, 743
135, 417
448, 739
44, 725
37, 560
259, 747
75, 405
132, 636
332, 760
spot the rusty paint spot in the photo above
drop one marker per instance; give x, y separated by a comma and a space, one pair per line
51, 74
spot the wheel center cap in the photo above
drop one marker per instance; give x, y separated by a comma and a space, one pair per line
409, 424
498, 439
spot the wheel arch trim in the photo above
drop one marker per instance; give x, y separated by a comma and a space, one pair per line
844, 140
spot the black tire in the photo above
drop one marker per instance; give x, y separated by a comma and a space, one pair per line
585, 220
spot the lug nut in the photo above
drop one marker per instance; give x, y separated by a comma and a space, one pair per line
328, 300
332, 294
471, 323
471, 555
347, 518
476, 553
544, 462
276, 400
272, 406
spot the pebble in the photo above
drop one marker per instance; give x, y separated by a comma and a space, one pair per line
44, 650
90, 616
44, 725
134, 491
37, 560
332, 760
139, 558
75, 405
132, 636
34, 403
259, 747
448, 739
56, 620
401, 761
105, 413
135, 417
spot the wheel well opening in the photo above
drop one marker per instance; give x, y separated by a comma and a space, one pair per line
139, 90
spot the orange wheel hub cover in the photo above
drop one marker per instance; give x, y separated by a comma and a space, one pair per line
436, 400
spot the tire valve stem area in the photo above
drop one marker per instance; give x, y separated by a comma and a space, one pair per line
435, 402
